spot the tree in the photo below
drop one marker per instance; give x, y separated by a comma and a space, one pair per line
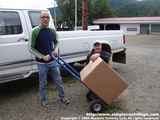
155, 12
139, 9
96, 9
67, 8
101, 9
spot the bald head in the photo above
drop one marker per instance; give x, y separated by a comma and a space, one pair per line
44, 18
43, 12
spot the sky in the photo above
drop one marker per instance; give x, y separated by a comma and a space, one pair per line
27, 3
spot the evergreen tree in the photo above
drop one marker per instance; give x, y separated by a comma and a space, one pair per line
155, 12
139, 9
101, 9
96, 9
67, 8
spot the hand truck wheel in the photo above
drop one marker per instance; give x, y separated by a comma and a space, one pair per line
97, 106
91, 96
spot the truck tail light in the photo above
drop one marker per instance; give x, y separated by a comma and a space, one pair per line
124, 39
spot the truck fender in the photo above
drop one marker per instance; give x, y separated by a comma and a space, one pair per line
106, 47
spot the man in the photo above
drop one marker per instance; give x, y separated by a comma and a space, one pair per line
98, 52
44, 42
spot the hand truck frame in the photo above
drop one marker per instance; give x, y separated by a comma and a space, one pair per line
96, 103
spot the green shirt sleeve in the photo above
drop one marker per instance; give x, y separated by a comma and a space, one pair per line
32, 43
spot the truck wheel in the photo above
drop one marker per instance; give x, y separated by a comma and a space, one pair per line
71, 64
90, 96
96, 106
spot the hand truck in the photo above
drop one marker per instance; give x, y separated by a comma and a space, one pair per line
96, 103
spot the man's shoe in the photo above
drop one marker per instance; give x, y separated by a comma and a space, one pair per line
65, 100
45, 104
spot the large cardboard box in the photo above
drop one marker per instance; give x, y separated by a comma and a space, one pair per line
103, 80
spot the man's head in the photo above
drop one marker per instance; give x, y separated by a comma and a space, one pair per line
44, 18
97, 46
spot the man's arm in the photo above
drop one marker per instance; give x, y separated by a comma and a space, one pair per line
94, 56
32, 43
105, 56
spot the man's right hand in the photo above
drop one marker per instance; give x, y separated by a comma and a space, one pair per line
46, 57
94, 56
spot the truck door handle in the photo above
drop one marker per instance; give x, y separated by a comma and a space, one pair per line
22, 39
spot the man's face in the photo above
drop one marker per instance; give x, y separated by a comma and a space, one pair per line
97, 48
44, 18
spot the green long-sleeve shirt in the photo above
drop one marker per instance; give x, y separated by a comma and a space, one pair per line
43, 41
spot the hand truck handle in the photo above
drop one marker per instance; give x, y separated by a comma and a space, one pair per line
66, 66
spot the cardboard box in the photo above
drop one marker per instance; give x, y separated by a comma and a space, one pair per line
103, 80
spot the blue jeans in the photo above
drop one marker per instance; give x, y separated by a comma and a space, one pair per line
55, 73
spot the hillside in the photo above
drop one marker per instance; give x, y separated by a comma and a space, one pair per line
139, 8
113, 3
128, 8
118, 3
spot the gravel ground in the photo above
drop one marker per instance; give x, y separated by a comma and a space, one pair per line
19, 100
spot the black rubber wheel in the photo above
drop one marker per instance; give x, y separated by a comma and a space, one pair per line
97, 106
91, 96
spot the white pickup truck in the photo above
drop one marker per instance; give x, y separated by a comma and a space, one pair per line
16, 61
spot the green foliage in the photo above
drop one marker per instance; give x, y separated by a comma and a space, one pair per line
139, 9
67, 8
116, 106
118, 3
101, 9
155, 12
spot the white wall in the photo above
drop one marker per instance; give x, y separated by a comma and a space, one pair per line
130, 29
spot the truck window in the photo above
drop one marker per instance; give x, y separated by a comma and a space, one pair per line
34, 18
10, 23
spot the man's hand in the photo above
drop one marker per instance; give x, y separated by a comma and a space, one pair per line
94, 56
54, 53
46, 57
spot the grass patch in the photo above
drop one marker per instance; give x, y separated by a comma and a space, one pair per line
70, 80
150, 86
66, 80
114, 107
52, 87
137, 110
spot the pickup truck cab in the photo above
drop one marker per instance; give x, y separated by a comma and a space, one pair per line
17, 62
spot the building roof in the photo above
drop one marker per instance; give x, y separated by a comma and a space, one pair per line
127, 20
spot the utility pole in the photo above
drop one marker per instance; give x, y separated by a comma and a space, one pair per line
84, 14
55, 16
75, 15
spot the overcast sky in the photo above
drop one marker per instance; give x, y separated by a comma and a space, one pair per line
27, 3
